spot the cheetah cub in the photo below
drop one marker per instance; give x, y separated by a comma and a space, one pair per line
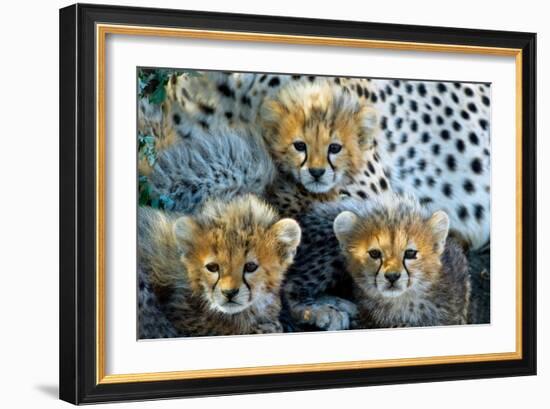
318, 134
407, 273
377, 263
219, 271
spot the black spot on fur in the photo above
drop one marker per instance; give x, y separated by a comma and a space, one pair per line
460, 145
425, 137
399, 123
371, 168
246, 100
473, 138
176, 118
229, 114
226, 91
411, 152
462, 213
366, 92
383, 123
436, 149
472, 107
421, 164
430, 181
404, 138
454, 97
263, 78
400, 100
425, 200
373, 188
456, 126
359, 91
478, 212
447, 190
427, 119
439, 120
297, 77
441, 87
486, 101
373, 97
468, 186
451, 162
448, 111
484, 124
362, 194
445, 135
436, 101
421, 90
383, 184
408, 88
468, 92
413, 106
274, 82
464, 114
311, 78
476, 165
207, 110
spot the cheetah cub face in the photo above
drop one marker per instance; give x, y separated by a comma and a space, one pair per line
394, 249
236, 253
317, 133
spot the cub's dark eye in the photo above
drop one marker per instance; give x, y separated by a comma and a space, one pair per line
375, 254
410, 253
300, 146
334, 148
213, 267
250, 267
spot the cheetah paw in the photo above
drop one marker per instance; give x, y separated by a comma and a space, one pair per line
330, 313
269, 328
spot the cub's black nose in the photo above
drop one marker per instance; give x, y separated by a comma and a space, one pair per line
316, 172
230, 294
392, 277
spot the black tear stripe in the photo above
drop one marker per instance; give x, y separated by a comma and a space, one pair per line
330, 162
216, 283
408, 274
378, 271
247, 286
305, 159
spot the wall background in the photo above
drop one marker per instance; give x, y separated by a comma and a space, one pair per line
29, 80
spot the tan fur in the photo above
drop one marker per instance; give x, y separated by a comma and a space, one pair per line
318, 114
177, 250
406, 271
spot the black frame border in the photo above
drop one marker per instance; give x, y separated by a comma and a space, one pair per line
78, 197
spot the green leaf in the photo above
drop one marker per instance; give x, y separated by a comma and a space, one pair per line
158, 96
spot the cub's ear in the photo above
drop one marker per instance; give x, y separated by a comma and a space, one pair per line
271, 112
369, 126
288, 233
343, 225
184, 231
439, 223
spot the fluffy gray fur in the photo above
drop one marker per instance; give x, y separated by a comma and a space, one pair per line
218, 164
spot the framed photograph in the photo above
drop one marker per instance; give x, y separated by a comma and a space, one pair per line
258, 204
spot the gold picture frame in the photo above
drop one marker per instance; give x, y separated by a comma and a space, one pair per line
96, 24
